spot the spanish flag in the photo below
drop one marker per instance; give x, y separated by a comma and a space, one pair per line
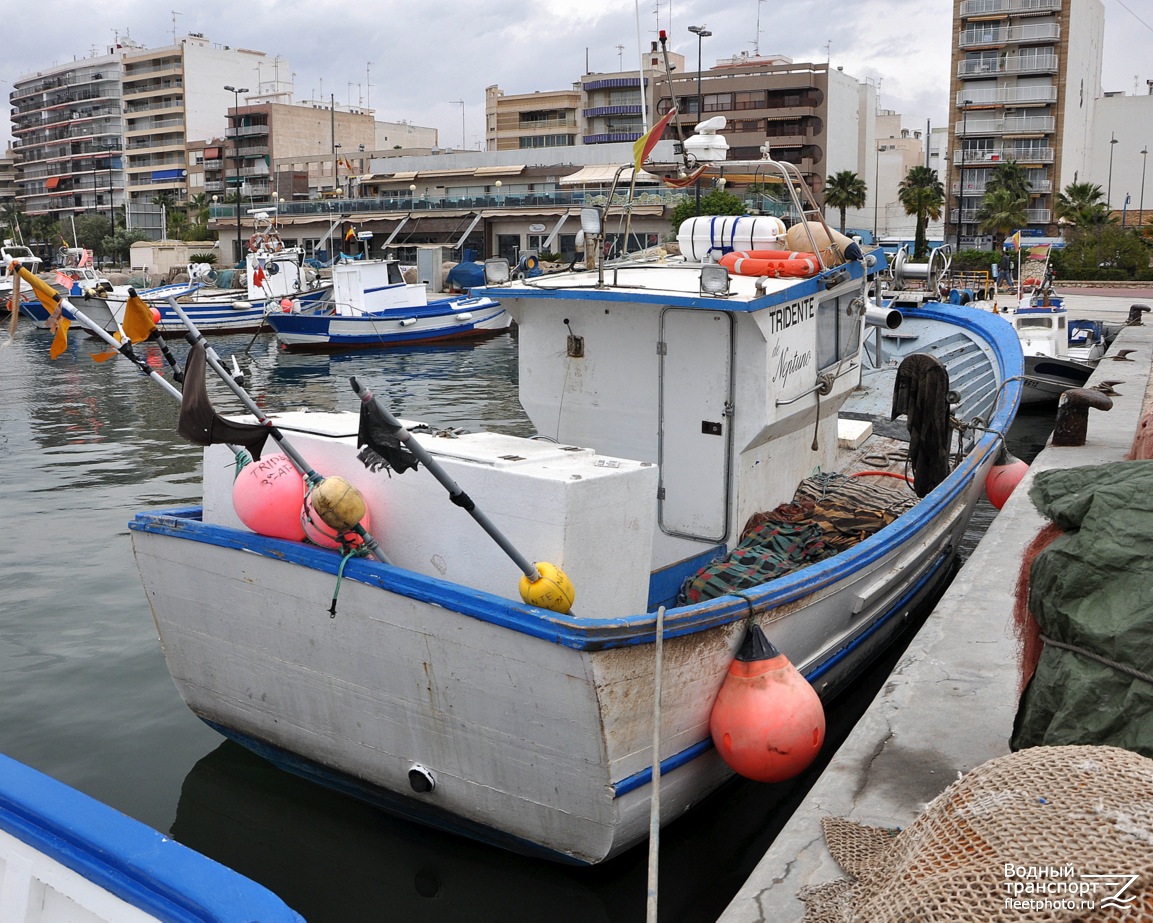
350, 234
643, 146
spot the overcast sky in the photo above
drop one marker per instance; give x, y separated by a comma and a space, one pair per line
415, 60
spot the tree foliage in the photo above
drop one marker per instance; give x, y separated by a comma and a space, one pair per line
714, 202
1001, 210
845, 190
922, 194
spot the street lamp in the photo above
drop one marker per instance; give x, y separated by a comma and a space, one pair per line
961, 170
1141, 201
701, 33
876, 192
236, 91
1109, 189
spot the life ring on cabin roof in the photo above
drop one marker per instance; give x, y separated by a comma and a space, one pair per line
777, 264
268, 242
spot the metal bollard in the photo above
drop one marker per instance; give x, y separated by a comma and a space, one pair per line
1073, 414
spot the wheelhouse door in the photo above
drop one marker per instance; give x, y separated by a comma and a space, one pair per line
695, 437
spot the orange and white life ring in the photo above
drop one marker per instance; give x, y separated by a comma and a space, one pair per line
270, 243
776, 264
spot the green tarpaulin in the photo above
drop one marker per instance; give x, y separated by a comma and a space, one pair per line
1092, 589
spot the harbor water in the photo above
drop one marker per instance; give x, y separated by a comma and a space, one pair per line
85, 696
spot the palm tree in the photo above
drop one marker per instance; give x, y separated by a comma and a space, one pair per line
1012, 176
923, 195
198, 206
1080, 205
1000, 211
845, 190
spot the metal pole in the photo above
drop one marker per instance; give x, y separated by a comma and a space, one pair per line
1109, 188
1141, 201
236, 91
961, 172
876, 193
700, 32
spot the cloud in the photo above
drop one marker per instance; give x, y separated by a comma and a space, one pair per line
411, 59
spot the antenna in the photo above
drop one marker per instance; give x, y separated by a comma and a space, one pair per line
174, 15
757, 39
463, 140
620, 57
368, 85
828, 48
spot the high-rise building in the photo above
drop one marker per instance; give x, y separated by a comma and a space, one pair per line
1026, 75
112, 129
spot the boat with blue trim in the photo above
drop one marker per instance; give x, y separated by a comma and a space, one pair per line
713, 451
67, 857
372, 305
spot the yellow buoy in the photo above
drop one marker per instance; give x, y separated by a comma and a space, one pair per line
551, 590
338, 503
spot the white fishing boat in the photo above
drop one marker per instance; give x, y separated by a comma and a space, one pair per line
372, 306
276, 280
716, 450
68, 858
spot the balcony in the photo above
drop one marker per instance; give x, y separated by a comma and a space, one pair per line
992, 157
1007, 96
972, 8
1009, 35
1011, 65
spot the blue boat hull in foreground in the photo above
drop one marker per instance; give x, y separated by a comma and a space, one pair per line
68, 857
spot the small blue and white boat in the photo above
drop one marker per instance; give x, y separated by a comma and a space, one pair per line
372, 306
276, 279
685, 413
65, 857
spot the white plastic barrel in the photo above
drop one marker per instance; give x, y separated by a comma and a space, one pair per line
711, 236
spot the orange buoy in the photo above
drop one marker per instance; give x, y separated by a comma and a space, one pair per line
1004, 477
767, 721
268, 495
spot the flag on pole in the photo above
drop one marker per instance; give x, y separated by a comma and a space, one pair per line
1016, 238
644, 145
350, 234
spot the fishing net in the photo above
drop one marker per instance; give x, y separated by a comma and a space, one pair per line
828, 513
1048, 833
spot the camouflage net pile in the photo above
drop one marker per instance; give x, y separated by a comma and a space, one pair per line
1048, 833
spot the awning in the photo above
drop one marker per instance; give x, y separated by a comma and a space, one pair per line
602, 175
402, 177
160, 176
500, 171
52, 182
212, 153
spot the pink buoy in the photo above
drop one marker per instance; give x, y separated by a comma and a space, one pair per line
268, 496
1003, 478
286, 305
156, 315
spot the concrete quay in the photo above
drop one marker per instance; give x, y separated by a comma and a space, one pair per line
949, 704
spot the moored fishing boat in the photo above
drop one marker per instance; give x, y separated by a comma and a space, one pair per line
372, 305
276, 279
716, 451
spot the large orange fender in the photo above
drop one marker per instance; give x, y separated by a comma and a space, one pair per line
767, 722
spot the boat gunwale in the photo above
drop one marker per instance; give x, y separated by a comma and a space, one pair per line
593, 633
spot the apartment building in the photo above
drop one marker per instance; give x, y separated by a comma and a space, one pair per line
599, 108
1024, 87
173, 95
67, 126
